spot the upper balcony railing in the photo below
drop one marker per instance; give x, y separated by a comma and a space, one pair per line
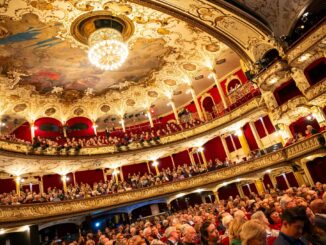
20, 214
248, 103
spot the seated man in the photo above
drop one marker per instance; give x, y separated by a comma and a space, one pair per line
293, 220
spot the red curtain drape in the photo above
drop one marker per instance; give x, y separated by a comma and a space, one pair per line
317, 169
229, 143
89, 176
181, 158
42, 122
268, 124
250, 137
245, 190
267, 182
286, 91
281, 183
226, 191
292, 180
165, 162
236, 141
253, 188
89, 131
214, 149
23, 132
7, 185
300, 125
53, 180
135, 169
316, 71
260, 128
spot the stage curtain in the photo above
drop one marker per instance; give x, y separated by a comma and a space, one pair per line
229, 143
291, 179
53, 180
260, 128
23, 132
7, 185
281, 183
250, 137
286, 91
268, 124
316, 71
226, 191
56, 124
317, 169
89, 131
89, 176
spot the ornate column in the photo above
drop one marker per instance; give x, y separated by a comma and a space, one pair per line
220, 90
319, 114
299, 178
191, 156
260, 186
300, 79
74, 178
115, 174
243, 141
155, 164
149, 115
17, 181
95, 128
269, 99
226, 149
64, 129
194, 97
121, 174
32, 130
201, 150
217, 199
122, 122
105, 177
240, 190
174, 109
307, 174
148, 168
173, 163
41, 184
64, 183
256, 135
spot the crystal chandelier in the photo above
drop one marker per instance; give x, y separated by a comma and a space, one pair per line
107, 50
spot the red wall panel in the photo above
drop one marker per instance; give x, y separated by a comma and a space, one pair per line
250, 137
7, 185
89, 176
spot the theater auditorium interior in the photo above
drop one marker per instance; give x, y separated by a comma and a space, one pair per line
153, 122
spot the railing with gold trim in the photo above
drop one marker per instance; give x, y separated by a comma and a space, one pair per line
232, 115
36, 212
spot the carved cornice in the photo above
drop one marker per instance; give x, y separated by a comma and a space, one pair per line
39, 212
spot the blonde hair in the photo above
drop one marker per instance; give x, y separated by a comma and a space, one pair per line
252, 229
235, 227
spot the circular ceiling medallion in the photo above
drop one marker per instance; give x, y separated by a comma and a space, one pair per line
212, 47
50, 111
20, 107
78, 111
189, 67
152, 94
105, 108
130, 102
170, 82
84, 25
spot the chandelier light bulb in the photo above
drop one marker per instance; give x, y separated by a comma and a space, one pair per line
107, 50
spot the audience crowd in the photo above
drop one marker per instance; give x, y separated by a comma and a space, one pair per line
296, 216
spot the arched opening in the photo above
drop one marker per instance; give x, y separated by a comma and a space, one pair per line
286, 91
79, 127
316, 71
268, 58
208, 105
48, 127
233, 85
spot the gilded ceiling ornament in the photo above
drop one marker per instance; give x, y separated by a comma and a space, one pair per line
50, 111
105, 108
189, 67
212, 47
42, 5
170, 82
20, 107
152, 93
118, 8
163, 31
78, 111
130, 102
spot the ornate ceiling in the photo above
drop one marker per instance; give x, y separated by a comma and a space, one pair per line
44, 71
